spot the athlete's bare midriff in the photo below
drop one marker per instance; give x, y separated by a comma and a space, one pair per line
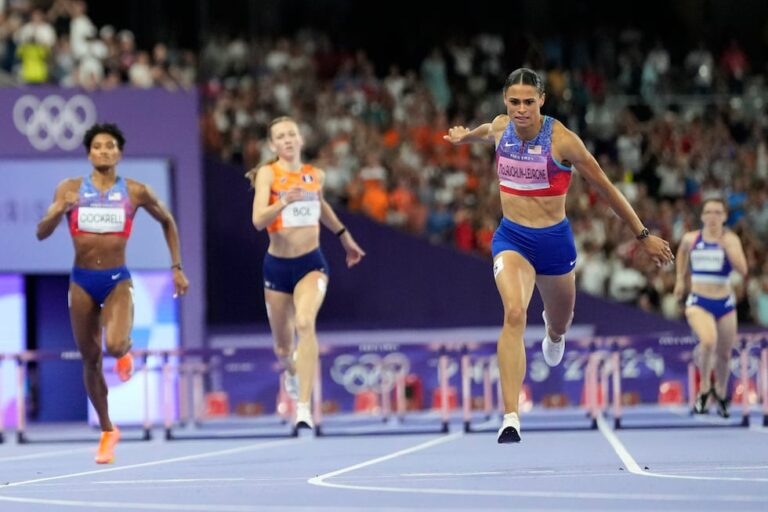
711, 290
535, 212
294, 242
99, 251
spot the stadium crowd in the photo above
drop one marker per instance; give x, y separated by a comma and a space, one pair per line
670, 127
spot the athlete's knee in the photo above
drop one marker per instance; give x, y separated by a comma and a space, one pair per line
305, 324
283, 352
707, 343
92, 362
560, 326
118, 347
515, 316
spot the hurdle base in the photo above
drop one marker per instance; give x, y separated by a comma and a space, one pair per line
745, 420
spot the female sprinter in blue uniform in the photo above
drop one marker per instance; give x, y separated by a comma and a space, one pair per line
709, 256
288, 201
100, 208
533, 245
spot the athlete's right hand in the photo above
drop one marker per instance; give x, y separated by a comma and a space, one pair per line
679, 291
70, 200
456, 134
293, 194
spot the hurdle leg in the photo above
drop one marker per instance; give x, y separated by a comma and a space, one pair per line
744, 375
21, 400
443, 379
764, 380
616, 368
466, 391
2, 415
317, 400
147, 420
167, 397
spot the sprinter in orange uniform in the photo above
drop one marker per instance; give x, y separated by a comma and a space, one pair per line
288, 201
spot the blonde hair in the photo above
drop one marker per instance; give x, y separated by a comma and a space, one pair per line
251, 175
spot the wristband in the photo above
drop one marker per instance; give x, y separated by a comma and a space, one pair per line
176, 266
341, 231
643, 234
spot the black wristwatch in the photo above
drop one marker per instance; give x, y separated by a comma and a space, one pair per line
643, 234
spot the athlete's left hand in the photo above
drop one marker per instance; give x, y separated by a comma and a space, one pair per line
354, 252
180, 283
658, 249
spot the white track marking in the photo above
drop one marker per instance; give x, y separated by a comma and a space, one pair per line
43, 455
320, 480
170, 481
205, 455
634, 468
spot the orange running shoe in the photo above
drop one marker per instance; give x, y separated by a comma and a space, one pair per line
106, 451
124, 367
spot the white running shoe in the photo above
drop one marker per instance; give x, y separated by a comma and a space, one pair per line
304, 416
510, 429
291, 383
553, 352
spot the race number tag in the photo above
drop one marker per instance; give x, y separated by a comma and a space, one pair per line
100, 220
523, 173
301, 213
707, 260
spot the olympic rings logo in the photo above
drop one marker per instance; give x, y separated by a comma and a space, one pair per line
54, 121
369, 371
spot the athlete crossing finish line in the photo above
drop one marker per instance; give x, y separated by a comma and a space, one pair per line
100, 208
533, 245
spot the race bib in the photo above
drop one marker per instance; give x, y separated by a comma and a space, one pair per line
528, 173
100, 220
707, 260
301, 213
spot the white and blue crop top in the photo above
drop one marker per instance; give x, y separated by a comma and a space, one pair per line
709, 262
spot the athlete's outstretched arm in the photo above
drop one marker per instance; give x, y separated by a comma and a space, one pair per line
681, 262
64, 199
330, 220
572, 149
147, 199
735, 252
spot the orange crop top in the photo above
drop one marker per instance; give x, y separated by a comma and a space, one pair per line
305, 212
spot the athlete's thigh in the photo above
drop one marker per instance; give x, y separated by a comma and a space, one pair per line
309, 293
702, 323
117, 313
558, 294
515, 278
727, 329
281, 313
85, 317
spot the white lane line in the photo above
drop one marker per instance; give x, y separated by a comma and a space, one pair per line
169, 481
634, 468
43, 455
320, 479
259, 446
476, 473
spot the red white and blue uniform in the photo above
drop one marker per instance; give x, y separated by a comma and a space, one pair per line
527, 168
108, 213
